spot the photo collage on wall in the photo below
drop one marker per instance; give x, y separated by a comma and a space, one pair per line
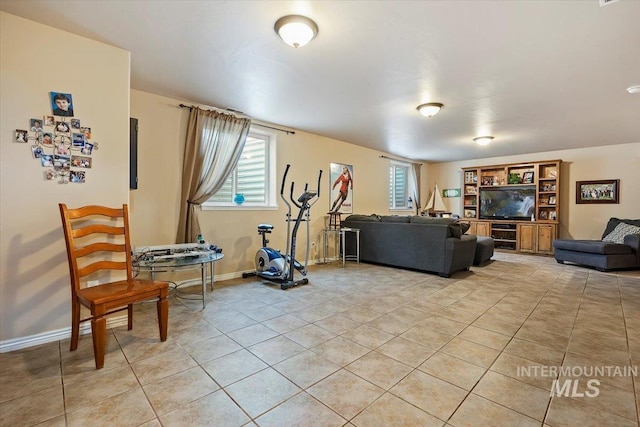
60, 142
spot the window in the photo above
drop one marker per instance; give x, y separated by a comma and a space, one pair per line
252, 177
398, 185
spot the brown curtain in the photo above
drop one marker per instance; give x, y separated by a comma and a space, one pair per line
415, 168
214, 143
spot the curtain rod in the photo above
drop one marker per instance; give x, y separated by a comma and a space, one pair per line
288, 132
382, 156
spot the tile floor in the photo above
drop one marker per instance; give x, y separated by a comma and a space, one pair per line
360, 346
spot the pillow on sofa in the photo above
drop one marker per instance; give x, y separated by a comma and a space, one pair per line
613, 223
459, 228
465, 227
621, 230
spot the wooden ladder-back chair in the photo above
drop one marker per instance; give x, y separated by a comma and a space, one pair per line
103, 233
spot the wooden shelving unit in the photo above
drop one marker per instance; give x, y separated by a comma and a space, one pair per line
532, 236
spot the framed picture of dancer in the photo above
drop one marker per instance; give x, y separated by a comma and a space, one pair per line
341, 186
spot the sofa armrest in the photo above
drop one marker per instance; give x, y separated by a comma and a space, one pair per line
633, 240
459, 253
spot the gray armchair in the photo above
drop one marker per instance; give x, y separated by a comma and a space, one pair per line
618, 249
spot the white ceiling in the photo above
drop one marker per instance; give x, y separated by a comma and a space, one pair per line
537, 75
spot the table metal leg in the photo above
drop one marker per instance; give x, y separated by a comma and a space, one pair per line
212, 270
204, 284
325, 246
343, 238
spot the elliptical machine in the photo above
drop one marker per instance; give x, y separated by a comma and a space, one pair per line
270, 263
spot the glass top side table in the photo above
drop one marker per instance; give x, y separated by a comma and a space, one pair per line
192, 262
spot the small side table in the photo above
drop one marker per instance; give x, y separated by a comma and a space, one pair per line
329, 234
179, 264
343, 238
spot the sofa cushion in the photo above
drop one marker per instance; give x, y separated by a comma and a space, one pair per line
431, 220
395, 218
365, 218
592, 246
613, 223
618, 233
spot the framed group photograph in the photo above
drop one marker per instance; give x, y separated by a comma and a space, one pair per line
602, 191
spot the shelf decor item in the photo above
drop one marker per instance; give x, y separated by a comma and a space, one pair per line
527, 177
238, 199
602, 191
514, 178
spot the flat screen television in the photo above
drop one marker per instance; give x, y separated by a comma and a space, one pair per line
515, 203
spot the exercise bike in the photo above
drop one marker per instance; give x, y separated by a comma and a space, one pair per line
272, 264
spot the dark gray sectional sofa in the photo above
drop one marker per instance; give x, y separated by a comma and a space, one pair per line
603, 255
436, 245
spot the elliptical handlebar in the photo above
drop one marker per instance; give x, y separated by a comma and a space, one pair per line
284, 179
284, 199
305, 198
291, 196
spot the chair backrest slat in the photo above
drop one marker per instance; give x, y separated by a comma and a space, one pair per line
98, 229
99, 247
94, 210
101, 265
104, 231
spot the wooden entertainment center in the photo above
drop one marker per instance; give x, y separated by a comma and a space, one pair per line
492, 193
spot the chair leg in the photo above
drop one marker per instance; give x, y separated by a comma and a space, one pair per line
130, 314
163, 316
99, 333
75, 325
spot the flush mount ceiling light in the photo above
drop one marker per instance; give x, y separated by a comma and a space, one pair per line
296, 30
483, 140
430, 109
634, 89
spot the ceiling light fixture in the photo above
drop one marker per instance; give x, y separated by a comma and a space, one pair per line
483, 140
430, 109
634, 89
296, 30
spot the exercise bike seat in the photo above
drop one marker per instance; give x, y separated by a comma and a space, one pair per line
265, 227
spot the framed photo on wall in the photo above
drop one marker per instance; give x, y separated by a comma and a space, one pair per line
62, 104
602, 191
341, 186
451, 192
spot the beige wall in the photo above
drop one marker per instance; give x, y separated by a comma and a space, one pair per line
34, 288
34, 60
155, 202
583, 221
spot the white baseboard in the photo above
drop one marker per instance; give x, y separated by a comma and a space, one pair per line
85, 328
57, 335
